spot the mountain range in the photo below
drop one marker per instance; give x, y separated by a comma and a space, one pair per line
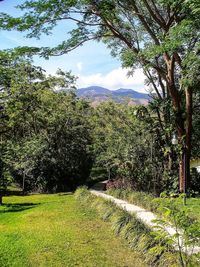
97, 94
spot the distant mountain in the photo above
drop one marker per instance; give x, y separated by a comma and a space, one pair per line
92, 91
131, 94
99, 94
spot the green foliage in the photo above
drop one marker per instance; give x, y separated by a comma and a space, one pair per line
51, 139
152, 36
48, 135
126, 147
187, 233
161, 37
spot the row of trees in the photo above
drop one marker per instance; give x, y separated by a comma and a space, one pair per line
162, 38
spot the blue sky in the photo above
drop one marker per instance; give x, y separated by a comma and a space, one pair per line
91, 63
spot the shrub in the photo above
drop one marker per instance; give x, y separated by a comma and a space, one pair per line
120, 183
147, 201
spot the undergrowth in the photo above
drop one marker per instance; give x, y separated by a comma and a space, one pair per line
142, 199
138, 236
155, 204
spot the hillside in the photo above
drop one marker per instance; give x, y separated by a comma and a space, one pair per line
99, 94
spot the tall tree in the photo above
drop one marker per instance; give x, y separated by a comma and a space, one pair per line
159, 36
45, 134
127, 148
8, 63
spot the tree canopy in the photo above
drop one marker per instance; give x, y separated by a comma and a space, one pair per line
161, 37
45, 134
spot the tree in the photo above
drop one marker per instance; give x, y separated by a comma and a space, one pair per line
127, 148
159, 36
47, 139
8, 66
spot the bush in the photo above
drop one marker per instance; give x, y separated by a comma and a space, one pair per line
147, 201
120, 183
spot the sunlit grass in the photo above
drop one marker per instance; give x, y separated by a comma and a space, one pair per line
52, 230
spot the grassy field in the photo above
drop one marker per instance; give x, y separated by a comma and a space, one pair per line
52, 230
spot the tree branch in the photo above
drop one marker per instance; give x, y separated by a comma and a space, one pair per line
158, 19
157, 11
145, 24
149, 76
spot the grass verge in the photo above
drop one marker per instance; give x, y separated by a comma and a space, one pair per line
171, 212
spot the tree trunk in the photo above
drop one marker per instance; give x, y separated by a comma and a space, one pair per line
23, 183
1, 199
189, 110
183, 125
184, 165
182, 173
181, 141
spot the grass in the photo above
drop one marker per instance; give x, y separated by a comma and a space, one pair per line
54, 230
149, 202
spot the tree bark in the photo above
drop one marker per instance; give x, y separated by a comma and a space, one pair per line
184, 165
189, 111
182, 178
184, 131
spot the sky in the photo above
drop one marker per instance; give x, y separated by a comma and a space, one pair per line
91, 63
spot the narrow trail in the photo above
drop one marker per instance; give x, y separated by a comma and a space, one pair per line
145, 216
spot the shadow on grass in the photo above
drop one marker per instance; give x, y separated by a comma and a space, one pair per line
64, 194
18, 207
14, 193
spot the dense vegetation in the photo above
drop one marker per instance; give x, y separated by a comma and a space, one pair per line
50, 139
46, 134
161, 37
141, 35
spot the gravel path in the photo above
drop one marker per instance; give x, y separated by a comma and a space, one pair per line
145, 216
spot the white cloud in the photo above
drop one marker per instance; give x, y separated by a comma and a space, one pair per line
79, 66
115, 79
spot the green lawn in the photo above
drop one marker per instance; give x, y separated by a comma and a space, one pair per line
52, 230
